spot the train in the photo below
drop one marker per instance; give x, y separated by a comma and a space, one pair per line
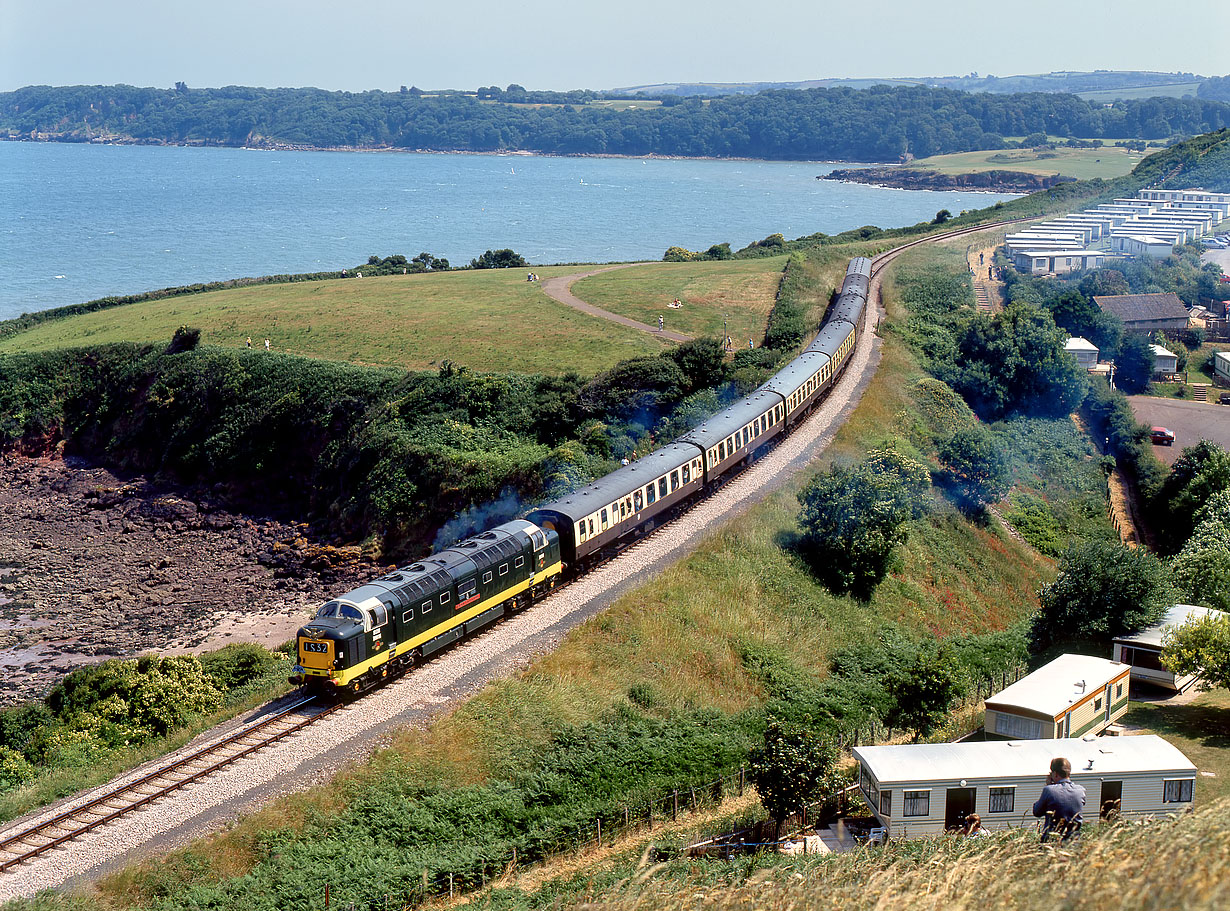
386, 626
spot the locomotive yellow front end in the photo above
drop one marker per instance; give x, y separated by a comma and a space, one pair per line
317, 655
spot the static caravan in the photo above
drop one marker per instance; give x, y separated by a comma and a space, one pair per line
1165, 363
1085, 352
927, 788
1142, 651
1072, 696
1221, 366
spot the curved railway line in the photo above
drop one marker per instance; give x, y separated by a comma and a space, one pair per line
22, 843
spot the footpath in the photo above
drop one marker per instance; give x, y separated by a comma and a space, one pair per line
560, 288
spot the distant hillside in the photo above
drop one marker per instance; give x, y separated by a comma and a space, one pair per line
882, 123
1103, 84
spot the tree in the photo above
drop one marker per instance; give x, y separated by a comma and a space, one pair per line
1199, 473
1103, 590
853, 517
702, 361
1201, 646
923, 692
790, 769
941, 216
1134, 365
977, 467
1201, 569
499, 259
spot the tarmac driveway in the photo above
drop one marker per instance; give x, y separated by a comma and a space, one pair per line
1190, 422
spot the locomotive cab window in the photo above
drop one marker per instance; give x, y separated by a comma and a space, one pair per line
379, 615
350, 613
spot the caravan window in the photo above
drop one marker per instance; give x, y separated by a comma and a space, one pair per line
886, 803
916, 803
1003, 800
1177, 790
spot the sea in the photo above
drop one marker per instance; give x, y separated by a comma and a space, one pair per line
81, 221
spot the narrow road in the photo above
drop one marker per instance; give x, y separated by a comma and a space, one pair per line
560, 288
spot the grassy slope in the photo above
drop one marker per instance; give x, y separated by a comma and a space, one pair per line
487, 320
739, 292
679, 637
1083, 164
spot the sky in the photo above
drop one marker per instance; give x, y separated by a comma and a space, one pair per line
354, 45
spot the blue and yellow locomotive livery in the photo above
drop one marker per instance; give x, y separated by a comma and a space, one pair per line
386, 626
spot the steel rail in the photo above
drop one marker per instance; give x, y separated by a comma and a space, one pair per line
125, 792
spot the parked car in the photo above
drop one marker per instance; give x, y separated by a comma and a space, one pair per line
1224, 398
1161, 436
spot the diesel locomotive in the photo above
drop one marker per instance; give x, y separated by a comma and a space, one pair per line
385, 626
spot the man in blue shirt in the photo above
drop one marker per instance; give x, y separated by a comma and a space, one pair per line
1061, 802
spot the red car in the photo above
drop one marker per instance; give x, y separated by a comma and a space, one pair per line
1162, 436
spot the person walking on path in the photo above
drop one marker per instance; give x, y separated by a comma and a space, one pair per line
266, 344
661, 323
1061, 802
248, 344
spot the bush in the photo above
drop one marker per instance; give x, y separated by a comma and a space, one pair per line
853, 518
499, 259
976, 467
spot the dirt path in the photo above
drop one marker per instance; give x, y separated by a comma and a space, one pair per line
988, 290
560, 288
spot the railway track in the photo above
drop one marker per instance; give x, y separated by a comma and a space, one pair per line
21, 844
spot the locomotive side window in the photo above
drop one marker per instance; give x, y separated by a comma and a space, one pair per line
662, 490
426, 608
486, 577
407, 616
444, 596
651, 493
503, 569
520, 562
687, 473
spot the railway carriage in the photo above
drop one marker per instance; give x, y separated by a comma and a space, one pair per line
836, 341
801, 382
733, 435
858, 277
390, 623
626, 501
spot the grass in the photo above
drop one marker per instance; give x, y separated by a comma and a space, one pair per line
1083, 164
488, 320
1177, 862
1200, 729
1163, 90
737, 293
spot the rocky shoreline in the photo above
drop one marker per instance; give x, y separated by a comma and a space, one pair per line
902, 178
94, 565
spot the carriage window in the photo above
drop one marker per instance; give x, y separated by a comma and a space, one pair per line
662, 489
426, 608
675, 480
486, 577
520, 562
591, 526
623, 509
581, 530
687, 473
407, 616
651, 493
722, 450
605, 522
637, 502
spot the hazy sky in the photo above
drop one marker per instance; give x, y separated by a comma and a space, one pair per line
549, 44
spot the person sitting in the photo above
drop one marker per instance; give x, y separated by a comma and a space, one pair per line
1061, 802
973, 826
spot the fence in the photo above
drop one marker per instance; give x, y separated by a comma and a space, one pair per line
687, 799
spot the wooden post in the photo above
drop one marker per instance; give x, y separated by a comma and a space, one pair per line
693, 790
627, 819
599, 821
326, 896
450, 884
675, 805
742, 773
514, 857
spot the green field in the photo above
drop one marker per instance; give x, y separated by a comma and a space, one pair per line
1083, 164
1165, 90
490, 320
737, 292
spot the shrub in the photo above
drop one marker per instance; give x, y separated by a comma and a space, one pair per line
976, 467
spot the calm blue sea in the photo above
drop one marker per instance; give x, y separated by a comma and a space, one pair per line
80, 221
